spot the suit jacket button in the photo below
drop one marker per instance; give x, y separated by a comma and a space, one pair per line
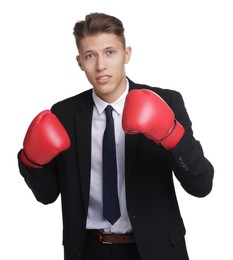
184, 165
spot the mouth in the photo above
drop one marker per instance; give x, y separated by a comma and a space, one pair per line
103, 79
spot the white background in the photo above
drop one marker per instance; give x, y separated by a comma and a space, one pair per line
182, 45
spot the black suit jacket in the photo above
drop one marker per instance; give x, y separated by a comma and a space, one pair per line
151, 200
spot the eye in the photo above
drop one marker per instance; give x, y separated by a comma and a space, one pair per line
89, 56
110, 52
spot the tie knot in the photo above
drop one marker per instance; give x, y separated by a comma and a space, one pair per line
108, 110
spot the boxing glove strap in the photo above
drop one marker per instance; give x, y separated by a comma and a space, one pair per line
30, 161
174, 136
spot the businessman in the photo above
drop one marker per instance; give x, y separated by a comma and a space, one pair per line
111, 153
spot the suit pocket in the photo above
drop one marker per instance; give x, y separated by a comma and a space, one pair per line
177, 234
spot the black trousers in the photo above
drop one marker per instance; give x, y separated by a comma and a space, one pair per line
95, 250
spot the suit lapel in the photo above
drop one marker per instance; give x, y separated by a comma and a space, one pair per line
131, 143
83, 119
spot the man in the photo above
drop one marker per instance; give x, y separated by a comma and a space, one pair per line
65, 153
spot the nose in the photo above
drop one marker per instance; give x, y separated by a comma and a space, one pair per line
101, 63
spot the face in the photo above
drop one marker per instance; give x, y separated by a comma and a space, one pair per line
102, 57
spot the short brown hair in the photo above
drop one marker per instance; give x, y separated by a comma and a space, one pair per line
98, 23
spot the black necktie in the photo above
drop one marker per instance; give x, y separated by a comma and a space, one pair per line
111, 208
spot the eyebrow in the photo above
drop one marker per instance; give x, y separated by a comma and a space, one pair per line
107, 48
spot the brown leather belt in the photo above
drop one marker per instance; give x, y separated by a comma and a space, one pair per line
112, 238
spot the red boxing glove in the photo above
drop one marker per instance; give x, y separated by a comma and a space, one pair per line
147, 113
45, 139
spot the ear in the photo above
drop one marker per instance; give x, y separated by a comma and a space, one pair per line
79, 62
128, 52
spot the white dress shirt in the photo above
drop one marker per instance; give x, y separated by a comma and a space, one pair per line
95, 219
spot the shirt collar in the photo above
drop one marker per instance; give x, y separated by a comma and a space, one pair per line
117, 105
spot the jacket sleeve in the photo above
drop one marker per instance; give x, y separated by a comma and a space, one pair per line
190, 166
43, 182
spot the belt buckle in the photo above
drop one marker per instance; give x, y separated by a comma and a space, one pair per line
101, 239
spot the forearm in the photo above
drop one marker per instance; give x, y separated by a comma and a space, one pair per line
43, 181
191, 167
